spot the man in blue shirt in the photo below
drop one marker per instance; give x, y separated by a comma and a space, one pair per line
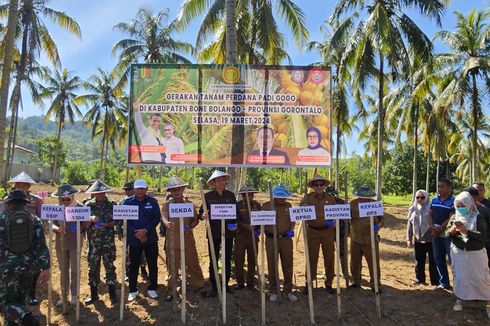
442, 207
142, 236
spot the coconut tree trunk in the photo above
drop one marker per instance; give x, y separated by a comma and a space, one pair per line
337, 157
56, 153
427, 172
474, 138
381, 124
14, 141
10, 147
6, 69
415, 152
437, 171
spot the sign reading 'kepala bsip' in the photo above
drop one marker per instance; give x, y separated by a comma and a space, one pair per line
52, 213
77, 214
263, 218
302, 213
181, 210
337, 212
223, 211
374, 208
125, 212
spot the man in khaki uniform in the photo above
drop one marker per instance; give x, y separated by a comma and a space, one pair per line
245, 241
321, 232
360, 238
176, 188
285, 233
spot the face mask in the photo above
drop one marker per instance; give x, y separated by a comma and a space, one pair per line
462, 210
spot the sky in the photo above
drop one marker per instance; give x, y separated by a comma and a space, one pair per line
98, 17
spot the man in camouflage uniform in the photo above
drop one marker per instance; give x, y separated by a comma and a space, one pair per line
23, 181
17, 270
245, 241
101, 241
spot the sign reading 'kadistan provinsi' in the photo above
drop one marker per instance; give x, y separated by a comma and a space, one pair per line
125, 212
337, 212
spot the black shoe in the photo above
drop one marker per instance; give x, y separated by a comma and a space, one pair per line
229, 290
354, 286
30, 320
239, 287
209, 294
33, 301
94, 296
169, 298
330, 290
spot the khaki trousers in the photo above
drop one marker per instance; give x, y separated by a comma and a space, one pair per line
357, 250
326, 240
244, 243
285, 254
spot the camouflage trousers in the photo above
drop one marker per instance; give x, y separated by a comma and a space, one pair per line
101, 250
14, 290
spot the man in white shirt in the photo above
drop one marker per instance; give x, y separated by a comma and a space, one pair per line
150, 136
173, 145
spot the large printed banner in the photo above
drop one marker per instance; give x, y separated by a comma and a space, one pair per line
221, 115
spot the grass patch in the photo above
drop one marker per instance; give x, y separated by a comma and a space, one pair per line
401, 200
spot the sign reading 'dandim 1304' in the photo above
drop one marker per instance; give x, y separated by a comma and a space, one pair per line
337, 212
302, 213
77, 214
180, 210
373, 208
223, 211
125, 212
263, 218
52, 213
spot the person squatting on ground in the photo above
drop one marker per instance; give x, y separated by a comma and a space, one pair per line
23, 254
66, 244
219, 195
419, 237
285, 233
142, 237
441, 208
467, 230
23, 181
320, 232
360, 238
176, 188
246, 239
101, 245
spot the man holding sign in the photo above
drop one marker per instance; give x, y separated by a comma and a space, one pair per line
219, 195
285, 233
101, 241
360, 235
321, 232
176, 188
142, 236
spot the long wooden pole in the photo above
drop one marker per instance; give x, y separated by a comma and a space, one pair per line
63, 267
123, 268
184, 272
375, 267
252, 231
78, 272
276, 254
211, 243
262, 272
339, 267
50, 284
173, 273
223, 270
308, 275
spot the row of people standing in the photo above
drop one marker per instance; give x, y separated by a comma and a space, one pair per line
456, 228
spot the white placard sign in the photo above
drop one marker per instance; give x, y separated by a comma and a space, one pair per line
52, 213
125, 212
263, 218
302, 213
337, 212
372, 208
180, 210
77, 214
223, 211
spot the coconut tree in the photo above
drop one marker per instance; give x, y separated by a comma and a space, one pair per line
466, 70
60, 88
383, 37
106, 113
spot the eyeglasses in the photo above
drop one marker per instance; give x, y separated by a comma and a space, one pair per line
316, 184
65, 200
420, 197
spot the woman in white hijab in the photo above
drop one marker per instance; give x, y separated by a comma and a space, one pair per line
419, 237
468, 254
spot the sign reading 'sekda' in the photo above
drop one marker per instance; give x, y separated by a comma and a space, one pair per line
180, 210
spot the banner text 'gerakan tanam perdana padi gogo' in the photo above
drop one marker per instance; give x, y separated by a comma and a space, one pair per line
221, 115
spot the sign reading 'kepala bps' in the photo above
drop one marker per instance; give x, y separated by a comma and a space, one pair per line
374, 208
230, 115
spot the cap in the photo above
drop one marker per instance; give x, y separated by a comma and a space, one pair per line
140, 183
128, 186
16, 194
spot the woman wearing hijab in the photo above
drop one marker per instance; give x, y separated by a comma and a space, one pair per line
314, 153
419, 237
467, 230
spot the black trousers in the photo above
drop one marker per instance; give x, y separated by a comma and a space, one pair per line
228, 255
487, 246
32, 290
151, 254
422, 250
